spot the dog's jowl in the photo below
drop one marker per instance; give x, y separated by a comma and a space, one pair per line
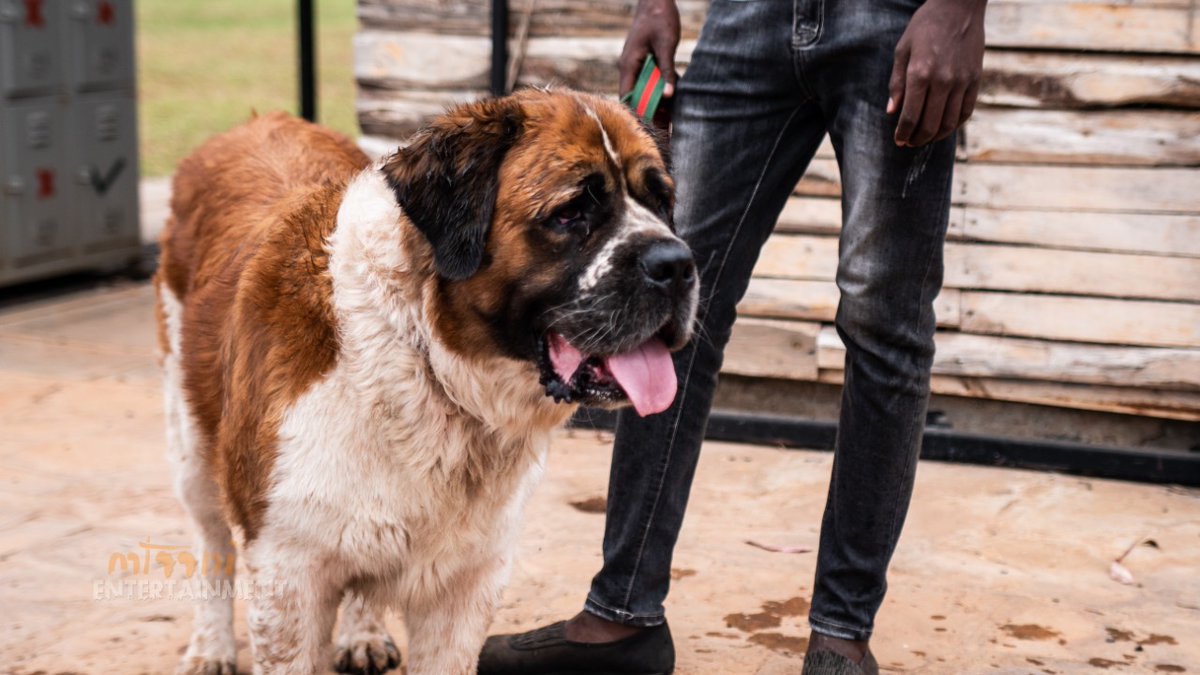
364, 363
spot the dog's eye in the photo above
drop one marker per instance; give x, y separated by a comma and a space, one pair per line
568, 219
568, 216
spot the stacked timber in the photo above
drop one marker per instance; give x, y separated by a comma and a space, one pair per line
1073, 260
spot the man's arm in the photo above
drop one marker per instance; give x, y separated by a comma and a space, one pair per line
655, 30
935, 77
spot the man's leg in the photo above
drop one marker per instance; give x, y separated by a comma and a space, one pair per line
895, 210
744, 132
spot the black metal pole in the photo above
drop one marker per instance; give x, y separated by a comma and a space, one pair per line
499, 47
308, 57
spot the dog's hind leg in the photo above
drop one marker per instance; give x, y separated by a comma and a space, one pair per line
212, 650
363, 645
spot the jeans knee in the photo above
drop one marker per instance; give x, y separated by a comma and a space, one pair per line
894, 335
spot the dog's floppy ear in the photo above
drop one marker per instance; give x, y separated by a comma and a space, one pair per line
447, 178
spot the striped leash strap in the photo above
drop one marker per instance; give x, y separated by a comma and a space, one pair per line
647, 93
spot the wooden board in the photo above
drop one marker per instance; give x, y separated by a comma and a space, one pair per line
1041, 270
1065, 80
1167, 234
1078, 188
812, 215
769, 348
397, 114
985, 356
1093, 27
1180, 405
1113, 138
1075, 188
1137, 26
1181, 4
1026, 79
818, 300
550, 18
1079, 319
781, 350
798, 257
1009, 268
1156, 234
431, 61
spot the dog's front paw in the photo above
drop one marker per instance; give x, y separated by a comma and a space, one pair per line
366, 654
209, 652
205, 665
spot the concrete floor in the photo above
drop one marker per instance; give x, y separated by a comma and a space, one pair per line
999, 571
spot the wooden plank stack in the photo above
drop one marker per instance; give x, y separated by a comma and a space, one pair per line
1073, 260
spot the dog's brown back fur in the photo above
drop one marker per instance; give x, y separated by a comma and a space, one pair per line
276, 179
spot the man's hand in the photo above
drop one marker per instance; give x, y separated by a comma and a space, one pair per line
655, 30
935, 77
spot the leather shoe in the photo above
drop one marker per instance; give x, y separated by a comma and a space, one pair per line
547, 651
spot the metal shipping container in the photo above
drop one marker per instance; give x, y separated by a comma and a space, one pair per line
68, 138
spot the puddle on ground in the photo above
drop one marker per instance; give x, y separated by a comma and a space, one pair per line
1029, 631
778, 642
748, 623
771, 616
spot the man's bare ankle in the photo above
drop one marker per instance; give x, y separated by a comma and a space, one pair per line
591, 629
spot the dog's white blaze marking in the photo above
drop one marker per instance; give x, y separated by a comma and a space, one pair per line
600, 265
608, 146
638, 220
642, 220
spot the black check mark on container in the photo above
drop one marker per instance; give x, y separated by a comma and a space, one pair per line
101, 184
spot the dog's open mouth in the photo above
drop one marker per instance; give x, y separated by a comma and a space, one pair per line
644, 375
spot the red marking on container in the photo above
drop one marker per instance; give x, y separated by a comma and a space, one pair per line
105, 13
45, 179
33, 14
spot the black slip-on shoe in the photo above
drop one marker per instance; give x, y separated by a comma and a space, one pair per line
825, 662
547, 651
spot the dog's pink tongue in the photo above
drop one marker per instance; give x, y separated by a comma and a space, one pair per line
647, 375
564, 357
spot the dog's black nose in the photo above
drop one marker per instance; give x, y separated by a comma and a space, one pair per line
668, 265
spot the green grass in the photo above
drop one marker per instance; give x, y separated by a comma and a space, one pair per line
204, 65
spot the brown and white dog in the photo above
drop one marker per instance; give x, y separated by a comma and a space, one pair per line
364, 363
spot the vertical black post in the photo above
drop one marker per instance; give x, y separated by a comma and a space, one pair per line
499, 47
308, 58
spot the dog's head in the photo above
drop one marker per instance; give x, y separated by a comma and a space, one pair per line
548, 218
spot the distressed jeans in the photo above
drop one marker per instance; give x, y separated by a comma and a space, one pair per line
767, 81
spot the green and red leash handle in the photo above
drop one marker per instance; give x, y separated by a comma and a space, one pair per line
647, 93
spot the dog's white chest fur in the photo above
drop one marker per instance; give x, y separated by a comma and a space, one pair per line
355, 475
396, 472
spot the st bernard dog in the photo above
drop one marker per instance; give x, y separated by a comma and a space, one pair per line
364, 362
